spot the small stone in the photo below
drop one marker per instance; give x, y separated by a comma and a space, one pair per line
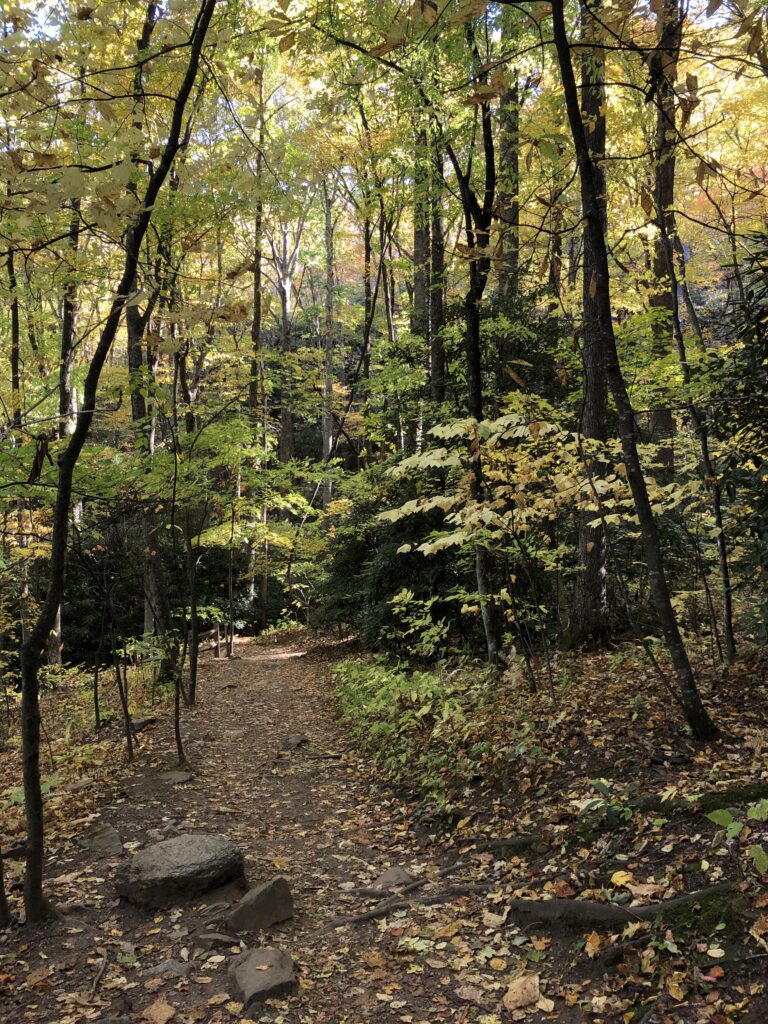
78, 787
170, 969
179, 868
140, 724
263, 974
102, 840
113, 1020
265, 905
392, 878
216, 940
293, 741
176, 778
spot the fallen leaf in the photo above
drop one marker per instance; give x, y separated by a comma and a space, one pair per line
592, 945
35, 978
219, 999
470, 994
621, 877
522, 992
159, 1012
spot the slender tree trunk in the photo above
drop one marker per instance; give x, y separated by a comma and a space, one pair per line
509, 189
367, 296
328, 337
708, 469
5, 910
696, 714
421, 230
35, 902
589, 610
669, 28
437, 279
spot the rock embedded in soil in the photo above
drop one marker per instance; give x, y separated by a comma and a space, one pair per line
262, 907
176, 778
102, 840
293, 741
216, 940
263, 974
392, 878
170, 969
139, 724
179, 868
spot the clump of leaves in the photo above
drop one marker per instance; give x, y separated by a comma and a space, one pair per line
735, 827
430, 730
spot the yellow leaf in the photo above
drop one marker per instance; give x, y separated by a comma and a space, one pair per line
621, 877
592, 945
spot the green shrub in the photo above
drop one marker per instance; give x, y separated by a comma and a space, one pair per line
429, 730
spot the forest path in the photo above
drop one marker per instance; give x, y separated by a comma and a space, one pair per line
316, 814
312, 812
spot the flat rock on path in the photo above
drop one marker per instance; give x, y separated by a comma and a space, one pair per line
265, 905
102, 840
179, 868
263, 974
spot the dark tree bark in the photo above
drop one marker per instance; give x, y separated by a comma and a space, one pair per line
421, 232
328, 334
509, 173
478, 218
589, 609
5, 910
695, 713
669, 30
437, 279
35, 902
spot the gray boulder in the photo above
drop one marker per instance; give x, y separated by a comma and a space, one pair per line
263, 974
265, 905
179, 868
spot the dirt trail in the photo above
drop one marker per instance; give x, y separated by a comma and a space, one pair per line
312, 812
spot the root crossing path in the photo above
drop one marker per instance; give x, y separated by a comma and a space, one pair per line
272, 770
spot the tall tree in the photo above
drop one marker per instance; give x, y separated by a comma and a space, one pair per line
589, 606
35, 903
687, 690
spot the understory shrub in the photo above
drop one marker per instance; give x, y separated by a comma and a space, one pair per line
432, 730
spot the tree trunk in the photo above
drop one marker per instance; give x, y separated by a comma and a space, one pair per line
328, 338
35, 903
421, 228
509, 188
589, 610
5, 910
669, 28
695, 713
437, 280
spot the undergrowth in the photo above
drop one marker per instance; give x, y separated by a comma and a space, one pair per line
435, 732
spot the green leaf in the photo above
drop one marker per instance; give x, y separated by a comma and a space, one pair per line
721, 817
758, 812
759, 858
